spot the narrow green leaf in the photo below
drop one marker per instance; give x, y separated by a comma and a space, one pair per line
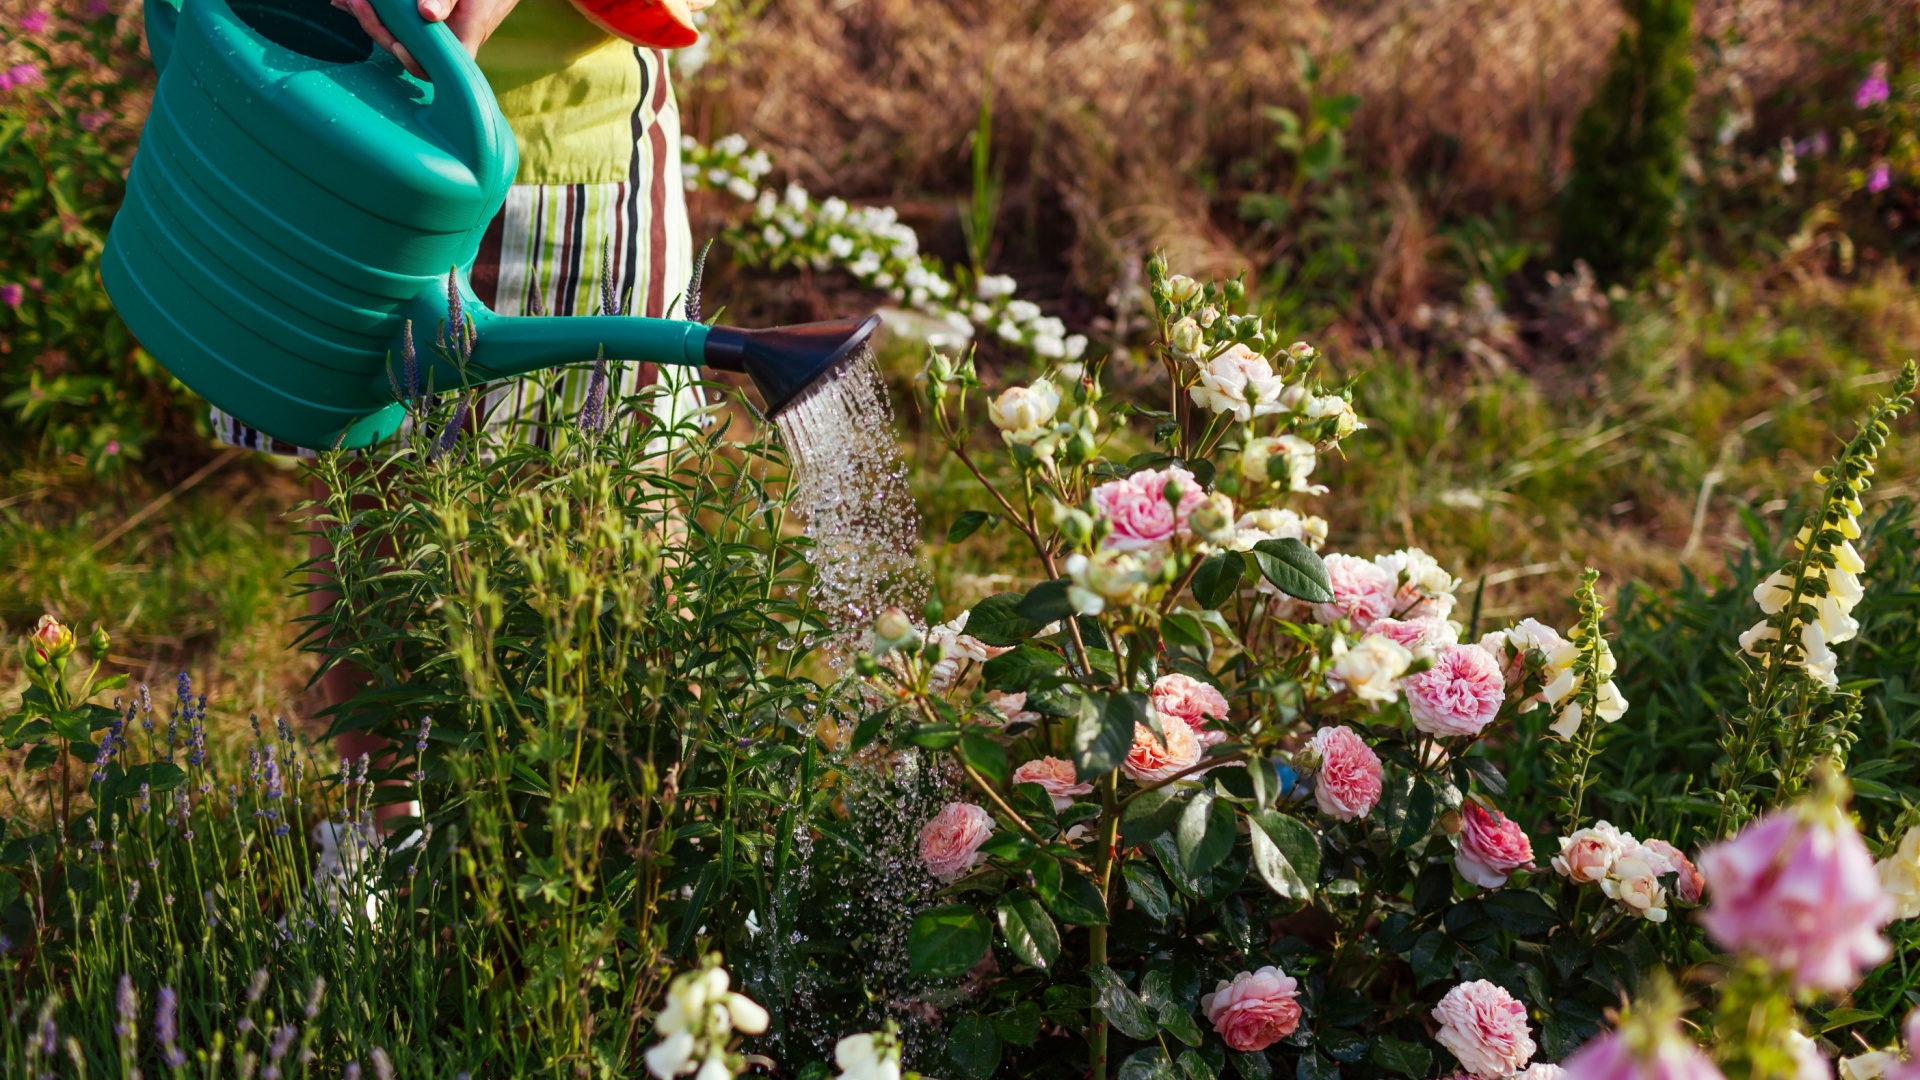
967, 524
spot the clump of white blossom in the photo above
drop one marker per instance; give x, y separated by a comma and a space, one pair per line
789, 228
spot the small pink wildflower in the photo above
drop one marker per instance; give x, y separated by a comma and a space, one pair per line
33, 22
1873, 90
1880, 178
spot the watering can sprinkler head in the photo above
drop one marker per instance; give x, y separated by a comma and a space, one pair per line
786, 361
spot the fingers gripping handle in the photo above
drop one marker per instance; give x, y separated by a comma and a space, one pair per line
462, 110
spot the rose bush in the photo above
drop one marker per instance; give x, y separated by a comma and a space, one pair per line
1249, 764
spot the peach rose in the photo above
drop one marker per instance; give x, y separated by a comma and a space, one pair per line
1055, 775
51, 640
1687, 883
1192, 701
1485, 1028
1255, 1010
950, 843
1589, 854
1149, 762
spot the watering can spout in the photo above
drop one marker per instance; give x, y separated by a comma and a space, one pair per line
784, 361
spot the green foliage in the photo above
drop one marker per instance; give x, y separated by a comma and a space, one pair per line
71, 375
1617, 210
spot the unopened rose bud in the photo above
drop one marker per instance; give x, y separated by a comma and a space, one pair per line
1182, 289
1172, 491
1234, 291
1185, 337
939, 367
1451, 822
1075, 525
1213, 520
866, 665
51, 640
98, 641
1208, 315
935, 611
1081, 447
893, 624
1300, 351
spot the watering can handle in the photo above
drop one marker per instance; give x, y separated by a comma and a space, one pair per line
462, 101
162, 19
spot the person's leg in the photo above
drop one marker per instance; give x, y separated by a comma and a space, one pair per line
342, 681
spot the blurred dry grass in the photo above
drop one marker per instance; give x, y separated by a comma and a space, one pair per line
1128, 126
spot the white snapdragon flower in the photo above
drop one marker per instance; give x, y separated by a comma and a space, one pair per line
1371, 669
1075, 346
1564, 683
873, 1055
1900, 876
700, 1017
1022, 311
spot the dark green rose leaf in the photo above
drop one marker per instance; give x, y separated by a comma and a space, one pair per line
973, 1048
1409, 1059
1294, 569
1286, 854
1145, 888
1147, 1063
986, 756
1045, 603
1018, 670
1205, 833
1149, 814
1218, 578
1029, 930
947, 941
1073, 898
1119, 1004
997, 621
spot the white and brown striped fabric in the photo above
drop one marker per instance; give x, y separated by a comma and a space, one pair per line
558, 249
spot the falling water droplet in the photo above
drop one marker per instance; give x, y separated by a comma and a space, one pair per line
851, 490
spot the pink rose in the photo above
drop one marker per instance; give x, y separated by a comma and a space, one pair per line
1588, 855
1798, 889
1255, 1010
1459, 694
1137, 508
1013, 706
1362, 593
950, 843
1610, 1056
1491, 846
1910, 1068
1425, 632
1192, 701
1057, 776
1149, 762
1348, 785
1688, 883
1541, 1070
1485, 1028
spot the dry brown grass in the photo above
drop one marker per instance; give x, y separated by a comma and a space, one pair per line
1120, 123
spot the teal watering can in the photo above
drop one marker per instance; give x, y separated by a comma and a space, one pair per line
297, 199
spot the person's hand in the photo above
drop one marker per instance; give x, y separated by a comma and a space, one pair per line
472, 21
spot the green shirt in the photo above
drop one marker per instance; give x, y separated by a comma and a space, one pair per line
569, 90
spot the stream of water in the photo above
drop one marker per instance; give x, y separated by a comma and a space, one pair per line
851, 491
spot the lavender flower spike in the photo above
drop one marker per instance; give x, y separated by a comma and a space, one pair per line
126, 1004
